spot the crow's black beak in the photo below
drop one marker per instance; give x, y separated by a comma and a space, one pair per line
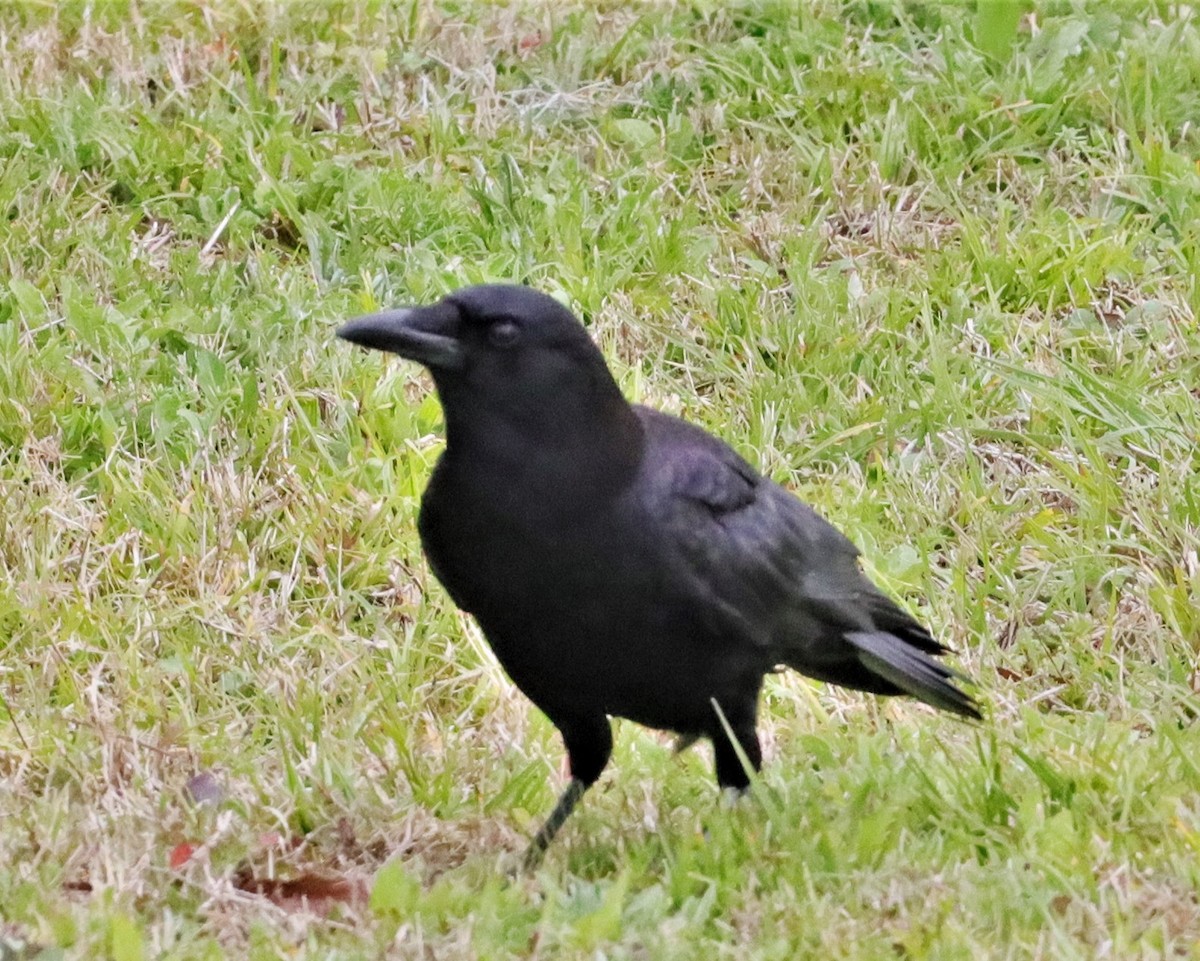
428, 335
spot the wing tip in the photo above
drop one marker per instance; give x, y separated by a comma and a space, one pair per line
915, 673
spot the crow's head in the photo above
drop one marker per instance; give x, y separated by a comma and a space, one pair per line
500, 351
495, 327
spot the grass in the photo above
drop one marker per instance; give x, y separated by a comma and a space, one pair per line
935, 269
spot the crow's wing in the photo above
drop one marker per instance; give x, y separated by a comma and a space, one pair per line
764, 569
739, 541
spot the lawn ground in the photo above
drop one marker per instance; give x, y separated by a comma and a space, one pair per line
935, 269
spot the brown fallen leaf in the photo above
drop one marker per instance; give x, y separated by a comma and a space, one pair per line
312, 892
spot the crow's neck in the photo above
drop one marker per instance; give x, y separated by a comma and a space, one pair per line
581, 444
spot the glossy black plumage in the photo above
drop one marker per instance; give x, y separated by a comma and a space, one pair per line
622, 562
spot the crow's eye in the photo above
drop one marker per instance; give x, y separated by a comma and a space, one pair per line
503, 333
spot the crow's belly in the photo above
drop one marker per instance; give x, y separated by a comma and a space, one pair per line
591, 623
659, 671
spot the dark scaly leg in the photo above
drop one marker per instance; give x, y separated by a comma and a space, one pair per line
589, 746
731, 772
562, 810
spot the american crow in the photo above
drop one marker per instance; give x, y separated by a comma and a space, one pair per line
624, 562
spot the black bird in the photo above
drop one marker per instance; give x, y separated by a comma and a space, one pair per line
622, 562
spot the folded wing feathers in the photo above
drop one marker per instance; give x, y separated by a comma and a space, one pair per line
913, 671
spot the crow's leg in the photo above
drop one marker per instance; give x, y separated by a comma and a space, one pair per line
731, 770
589, 746
562, 810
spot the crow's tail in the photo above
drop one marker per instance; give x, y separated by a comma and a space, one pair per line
913, 671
